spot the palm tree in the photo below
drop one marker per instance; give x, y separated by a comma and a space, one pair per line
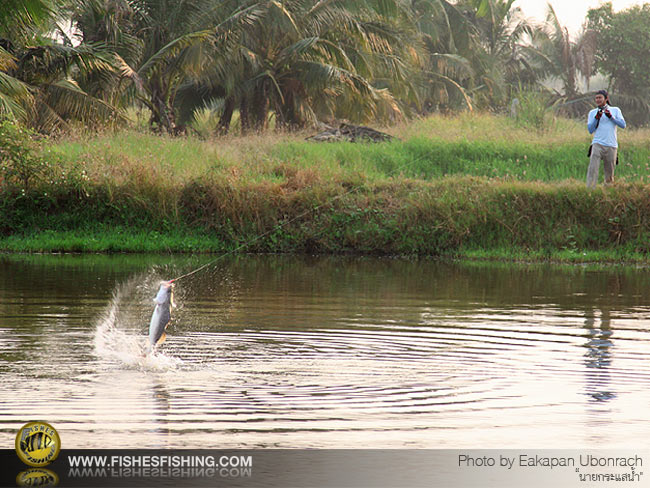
37, 73
17, 18
20, 16
446, 33
305, 61
500, 55
571, 58
567, 60
156, 47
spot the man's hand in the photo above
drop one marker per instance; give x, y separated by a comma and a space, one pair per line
599, 114
608, 113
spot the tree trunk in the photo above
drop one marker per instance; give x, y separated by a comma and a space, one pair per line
291, 118
226, 116
280, 121
260, 108
244, 115
161, 114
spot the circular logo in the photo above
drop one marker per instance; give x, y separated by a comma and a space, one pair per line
37, 477
37, 444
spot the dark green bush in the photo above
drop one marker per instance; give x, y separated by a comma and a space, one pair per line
20, 162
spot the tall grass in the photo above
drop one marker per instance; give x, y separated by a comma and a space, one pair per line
477, 145
447, 216
534, 110
468, 184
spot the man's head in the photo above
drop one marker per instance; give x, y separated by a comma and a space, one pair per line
602, 97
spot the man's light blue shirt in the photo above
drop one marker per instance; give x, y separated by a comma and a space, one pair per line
605, 133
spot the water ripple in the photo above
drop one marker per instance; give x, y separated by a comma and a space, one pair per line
283, 368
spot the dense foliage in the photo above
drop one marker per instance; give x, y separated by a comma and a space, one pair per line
623, 49
292, 63
480, 186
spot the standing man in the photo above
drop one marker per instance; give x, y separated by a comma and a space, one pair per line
602, 123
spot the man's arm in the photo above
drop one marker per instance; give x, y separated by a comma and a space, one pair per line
592, 122
617, 118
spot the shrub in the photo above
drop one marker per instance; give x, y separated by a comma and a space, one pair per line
534, 110
20, 164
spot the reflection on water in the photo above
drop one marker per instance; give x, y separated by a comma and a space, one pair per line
598, 355
325, 352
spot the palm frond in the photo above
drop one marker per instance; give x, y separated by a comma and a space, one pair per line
15, 98
285, 19
64, 100
173, 48
7, 61
463, 93
320, 5
128, 72
22, 14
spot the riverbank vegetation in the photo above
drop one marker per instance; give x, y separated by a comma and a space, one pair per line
141, 125
470, 185
294, 63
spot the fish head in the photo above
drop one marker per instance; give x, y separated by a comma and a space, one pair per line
165, 293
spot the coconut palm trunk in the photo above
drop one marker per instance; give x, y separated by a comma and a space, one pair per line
260, 108
244, 115
226, 116
162, 114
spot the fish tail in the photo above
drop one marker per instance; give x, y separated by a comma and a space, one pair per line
148, 349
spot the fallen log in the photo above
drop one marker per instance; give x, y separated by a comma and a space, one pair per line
350, 133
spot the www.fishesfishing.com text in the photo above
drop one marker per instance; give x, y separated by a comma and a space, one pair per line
160, 466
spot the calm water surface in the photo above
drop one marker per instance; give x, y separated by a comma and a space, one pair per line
326, 352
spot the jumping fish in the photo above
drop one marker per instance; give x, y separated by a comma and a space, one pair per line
161, 316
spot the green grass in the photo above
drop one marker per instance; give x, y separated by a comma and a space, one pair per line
110, 240
477, 145
471, 185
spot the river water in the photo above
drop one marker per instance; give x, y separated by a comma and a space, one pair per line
324, 352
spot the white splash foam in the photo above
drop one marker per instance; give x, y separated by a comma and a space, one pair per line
114, 341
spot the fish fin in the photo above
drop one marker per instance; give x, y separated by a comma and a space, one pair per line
162, 338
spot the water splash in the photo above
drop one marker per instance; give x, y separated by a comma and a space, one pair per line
120, 333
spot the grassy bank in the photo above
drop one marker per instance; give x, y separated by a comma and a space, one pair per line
472, 185
469, 144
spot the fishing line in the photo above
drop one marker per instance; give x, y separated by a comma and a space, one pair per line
281, 225
257, 238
